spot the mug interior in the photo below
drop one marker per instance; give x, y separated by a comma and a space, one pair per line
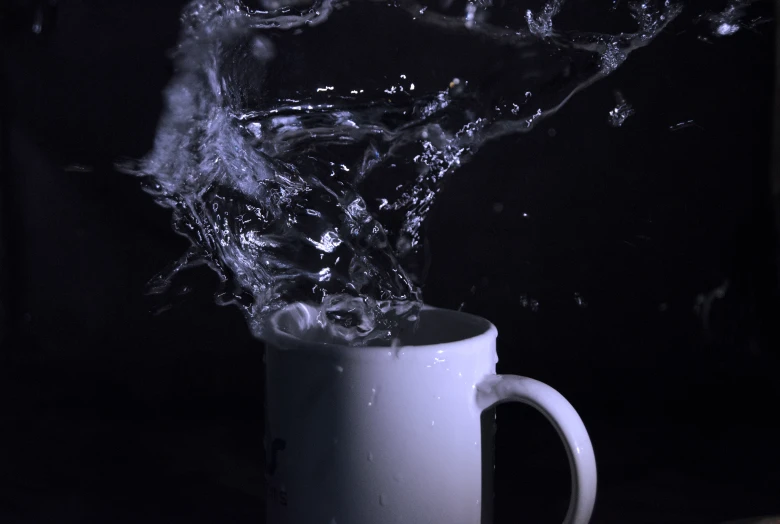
444, 326
299, 323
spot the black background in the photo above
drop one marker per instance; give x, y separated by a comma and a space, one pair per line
112, 413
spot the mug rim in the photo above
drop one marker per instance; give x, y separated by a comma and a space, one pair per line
482, 328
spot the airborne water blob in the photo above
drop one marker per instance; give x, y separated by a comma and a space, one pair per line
270, 190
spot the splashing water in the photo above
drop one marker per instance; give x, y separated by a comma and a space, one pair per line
314, 190
727, 22
620, 112
541, 24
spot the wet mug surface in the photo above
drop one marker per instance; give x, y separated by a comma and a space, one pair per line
381, 435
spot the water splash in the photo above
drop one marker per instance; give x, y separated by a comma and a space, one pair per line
621, 111
683, 125
728, 21
529, 303
301, 189
580, 300
541, 24
705, 301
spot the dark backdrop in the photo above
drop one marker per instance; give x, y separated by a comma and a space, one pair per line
651, 252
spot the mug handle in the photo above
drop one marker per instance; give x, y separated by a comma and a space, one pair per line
497, 389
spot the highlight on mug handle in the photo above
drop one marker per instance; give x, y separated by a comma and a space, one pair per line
498, 389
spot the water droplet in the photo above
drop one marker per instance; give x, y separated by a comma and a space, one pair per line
726, 29
397, 348
683, 125
372, 401
37, 26
340, 369
529, 303
580, 301
541, 25
621, 112
370, 457
263, 49
81, 168
382, 500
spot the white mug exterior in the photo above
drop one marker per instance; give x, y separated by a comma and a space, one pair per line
395, 435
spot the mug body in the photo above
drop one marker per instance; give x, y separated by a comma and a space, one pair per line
380, 435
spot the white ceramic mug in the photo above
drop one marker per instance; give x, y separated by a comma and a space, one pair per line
381, 435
